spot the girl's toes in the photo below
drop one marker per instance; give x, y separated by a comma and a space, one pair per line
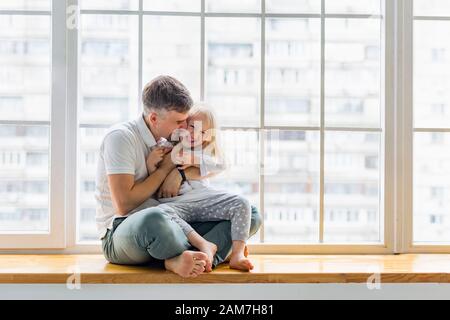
248, 264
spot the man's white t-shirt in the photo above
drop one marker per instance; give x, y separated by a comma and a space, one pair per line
124, 150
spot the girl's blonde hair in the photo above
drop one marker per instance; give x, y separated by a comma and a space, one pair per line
214, 145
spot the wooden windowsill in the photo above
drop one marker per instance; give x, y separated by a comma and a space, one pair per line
94, 269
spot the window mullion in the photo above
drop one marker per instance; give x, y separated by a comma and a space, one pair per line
387, 173
403, 127
322, 124
203, 51
405, 161
262, 132
140, 50
71, 139
58, 125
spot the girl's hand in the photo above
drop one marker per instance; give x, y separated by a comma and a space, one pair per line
154, 159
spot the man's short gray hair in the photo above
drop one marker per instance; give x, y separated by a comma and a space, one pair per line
166, 93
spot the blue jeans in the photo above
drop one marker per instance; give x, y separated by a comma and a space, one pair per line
149, 237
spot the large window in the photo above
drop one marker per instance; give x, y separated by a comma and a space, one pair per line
297, 90
319, 101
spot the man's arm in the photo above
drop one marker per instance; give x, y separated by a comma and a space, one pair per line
128, 194
193, 173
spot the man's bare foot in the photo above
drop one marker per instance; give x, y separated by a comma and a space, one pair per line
189, 264
210, 249
240, 262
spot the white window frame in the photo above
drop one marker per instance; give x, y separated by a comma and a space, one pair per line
397, 133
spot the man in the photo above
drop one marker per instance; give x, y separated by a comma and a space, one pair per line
132, 230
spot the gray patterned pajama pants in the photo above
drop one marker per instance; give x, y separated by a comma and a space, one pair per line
207, 204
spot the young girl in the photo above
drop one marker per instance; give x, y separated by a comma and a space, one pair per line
197, 201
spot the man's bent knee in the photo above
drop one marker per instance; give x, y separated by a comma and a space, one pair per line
150, 220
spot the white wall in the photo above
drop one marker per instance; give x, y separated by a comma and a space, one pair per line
226, 291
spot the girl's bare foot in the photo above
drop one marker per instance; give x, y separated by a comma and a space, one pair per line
245, 254
189, 264
240, 262
210, 249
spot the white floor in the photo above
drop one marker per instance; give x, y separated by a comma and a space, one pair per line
226, 291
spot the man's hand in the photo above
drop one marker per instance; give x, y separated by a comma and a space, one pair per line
171, 186
154, 158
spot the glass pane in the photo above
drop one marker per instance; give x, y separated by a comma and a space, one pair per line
431, 187
24, 178
293, 6
173, 5
172, 47
90, 140
431, 7
109, 4
235, 6
431, 74
293, 72
25, 67
353, 72
109, 68
291, 189
25, 5
352, 187
354, 6
233, 70
241, 150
